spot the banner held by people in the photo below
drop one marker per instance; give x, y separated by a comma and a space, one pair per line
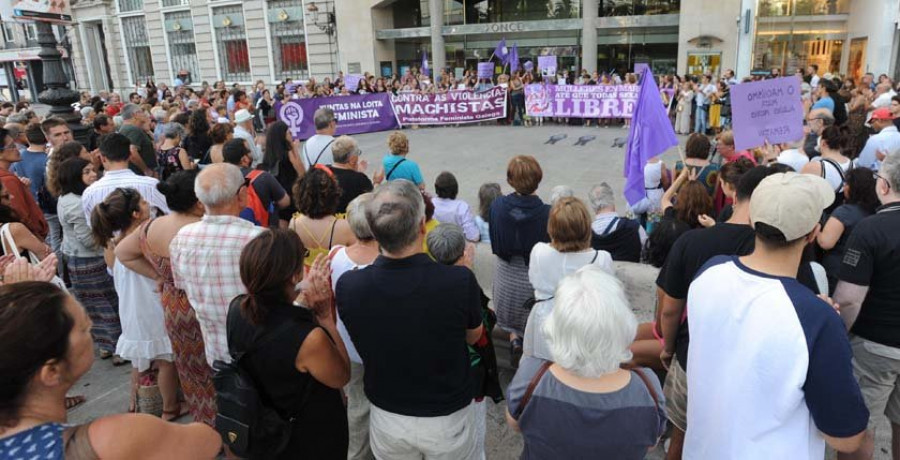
597, 101
450, 108
355, 114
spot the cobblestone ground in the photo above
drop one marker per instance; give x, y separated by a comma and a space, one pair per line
475, 154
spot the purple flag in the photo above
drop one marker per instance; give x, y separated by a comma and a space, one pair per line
651, 134
502, 52
425, 63
514, 59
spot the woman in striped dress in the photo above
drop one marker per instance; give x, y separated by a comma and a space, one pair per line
518, 221
91, 283
149, 245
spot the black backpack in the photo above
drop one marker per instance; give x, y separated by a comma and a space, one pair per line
246, 420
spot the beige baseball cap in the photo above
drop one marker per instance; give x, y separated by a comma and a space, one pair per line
791, 202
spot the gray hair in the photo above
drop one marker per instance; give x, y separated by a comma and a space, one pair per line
394, 214
129, 111
559, 192
356, 217
21, 118
591, 327
86, 111
173, 130
159, 114
890, 170
446, 243
323, 117
13, 129
343, 148
218, 184
601, 196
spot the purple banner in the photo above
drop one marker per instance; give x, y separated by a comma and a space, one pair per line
589, 101
767, 110
355, 114
485, 70
450, 108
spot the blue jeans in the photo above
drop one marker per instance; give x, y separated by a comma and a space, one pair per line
701, 119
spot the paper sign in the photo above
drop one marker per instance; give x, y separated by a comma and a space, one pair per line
351, 81
766, 110
529, 66
485, 70
547, 64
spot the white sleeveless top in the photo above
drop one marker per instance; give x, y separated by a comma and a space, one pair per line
341, 264
831, 173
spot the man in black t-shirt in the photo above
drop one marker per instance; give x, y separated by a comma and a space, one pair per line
868, 292
346, 170
687, 257
410, 319
265, 185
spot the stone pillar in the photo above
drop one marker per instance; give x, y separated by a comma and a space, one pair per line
57, 93
589, 13
438, 57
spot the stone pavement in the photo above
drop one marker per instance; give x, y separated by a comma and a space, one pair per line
476, 154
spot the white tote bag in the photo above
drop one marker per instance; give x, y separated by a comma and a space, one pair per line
9, 247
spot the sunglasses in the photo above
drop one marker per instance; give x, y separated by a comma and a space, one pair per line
876, 176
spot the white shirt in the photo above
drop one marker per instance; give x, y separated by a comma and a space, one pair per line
793, 158
456, 212
882, 101
704, 93
320, 143
255, 151
887, 140
123, 178
768, 370
814, 81
546, 268
341, 264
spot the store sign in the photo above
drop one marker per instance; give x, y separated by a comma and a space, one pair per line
581, 101
766, 110
56, 11
25, 54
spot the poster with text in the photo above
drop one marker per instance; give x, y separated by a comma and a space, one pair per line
55, 11
766, 110
451, 107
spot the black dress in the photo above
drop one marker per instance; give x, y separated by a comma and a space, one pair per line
320, 428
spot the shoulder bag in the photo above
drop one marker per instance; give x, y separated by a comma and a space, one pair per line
9, 247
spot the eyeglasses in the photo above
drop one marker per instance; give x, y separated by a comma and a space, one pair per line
876, 176
11, 145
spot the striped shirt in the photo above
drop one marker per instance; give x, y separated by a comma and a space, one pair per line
205, 264
123, 178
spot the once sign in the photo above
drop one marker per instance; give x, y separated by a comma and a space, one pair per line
767, 110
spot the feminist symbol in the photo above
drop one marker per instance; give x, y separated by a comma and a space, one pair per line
293, 116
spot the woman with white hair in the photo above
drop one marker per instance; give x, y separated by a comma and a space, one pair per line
569, 249
582, 404
357, 256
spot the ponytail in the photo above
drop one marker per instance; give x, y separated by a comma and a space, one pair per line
114, 214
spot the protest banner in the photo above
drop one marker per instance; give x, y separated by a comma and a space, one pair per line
485, 70
547, 65
596, 101
355, 114
767, 110
451, 107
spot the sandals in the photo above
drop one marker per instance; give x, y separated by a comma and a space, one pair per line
119, 361
105, 354
74, 401
172, 415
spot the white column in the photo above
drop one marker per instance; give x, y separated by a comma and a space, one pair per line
438, 58
589, 12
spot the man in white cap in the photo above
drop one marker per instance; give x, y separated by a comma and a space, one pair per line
769, 369
243, 129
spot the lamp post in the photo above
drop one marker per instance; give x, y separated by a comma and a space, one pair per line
57, 94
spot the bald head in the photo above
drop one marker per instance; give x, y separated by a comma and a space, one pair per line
220, 188
883, 88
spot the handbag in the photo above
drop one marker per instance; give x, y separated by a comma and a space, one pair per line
7, 241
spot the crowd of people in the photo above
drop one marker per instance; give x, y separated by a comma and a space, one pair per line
191, 238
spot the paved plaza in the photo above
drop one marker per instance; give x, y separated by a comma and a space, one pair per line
475, 155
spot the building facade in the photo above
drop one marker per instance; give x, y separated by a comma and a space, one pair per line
120, 43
